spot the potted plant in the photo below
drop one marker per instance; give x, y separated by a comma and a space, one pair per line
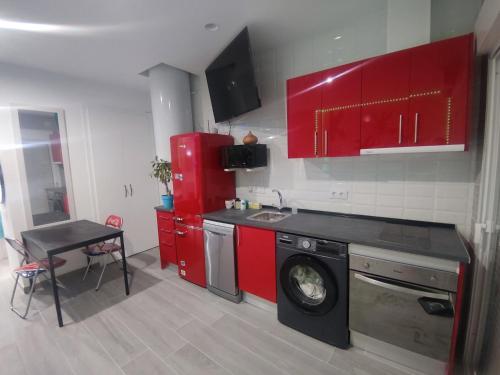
162, 171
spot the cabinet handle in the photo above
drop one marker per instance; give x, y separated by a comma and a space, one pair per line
316, 143
416, 128
326, 142
178, 219
131, 190
400, 127
180, 233
126, 191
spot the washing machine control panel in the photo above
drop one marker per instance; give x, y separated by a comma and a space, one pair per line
311, 245
308, 244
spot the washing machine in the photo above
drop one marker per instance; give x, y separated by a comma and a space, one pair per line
312, 277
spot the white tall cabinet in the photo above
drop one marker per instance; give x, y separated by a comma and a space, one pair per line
122, 147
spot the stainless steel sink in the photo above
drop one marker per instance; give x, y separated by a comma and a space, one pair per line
268, 216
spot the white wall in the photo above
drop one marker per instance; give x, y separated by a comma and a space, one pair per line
22, 86
433, 187
453, 17
408, 23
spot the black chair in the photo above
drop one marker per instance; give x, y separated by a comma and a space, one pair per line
29, 268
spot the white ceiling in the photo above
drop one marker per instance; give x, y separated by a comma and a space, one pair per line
115, 40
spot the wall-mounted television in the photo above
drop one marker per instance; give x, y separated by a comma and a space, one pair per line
231, 80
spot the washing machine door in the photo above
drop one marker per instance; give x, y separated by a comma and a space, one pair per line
308, 284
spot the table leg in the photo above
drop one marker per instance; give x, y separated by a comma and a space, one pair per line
124, 263
55, 291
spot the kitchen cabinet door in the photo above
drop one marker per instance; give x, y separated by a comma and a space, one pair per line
166, 236
428, 119
190, 254
122, 146
138, 152
341, 111
303, 104
440, 83
385, 91
256, 259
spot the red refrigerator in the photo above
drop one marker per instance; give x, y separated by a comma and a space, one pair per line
200, 185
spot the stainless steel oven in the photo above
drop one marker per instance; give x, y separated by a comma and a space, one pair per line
405, 305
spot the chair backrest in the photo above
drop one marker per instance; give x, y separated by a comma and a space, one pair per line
22, 250
114, 221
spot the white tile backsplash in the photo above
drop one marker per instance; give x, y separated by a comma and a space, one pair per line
431, 187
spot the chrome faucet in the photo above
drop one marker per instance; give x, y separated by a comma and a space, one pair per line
280, 197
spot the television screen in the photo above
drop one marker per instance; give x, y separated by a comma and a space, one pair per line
231, 80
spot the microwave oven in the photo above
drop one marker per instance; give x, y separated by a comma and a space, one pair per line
244, 156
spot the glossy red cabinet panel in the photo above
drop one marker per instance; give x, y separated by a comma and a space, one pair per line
386, 77
256, 258
341, 111
303, 102
384, 115
415, 100
428, 119
440, 86
166, 238
384, 125
190, 254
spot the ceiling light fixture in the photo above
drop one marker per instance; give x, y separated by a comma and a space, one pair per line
338, 37
211, 27
53, 28
28, 26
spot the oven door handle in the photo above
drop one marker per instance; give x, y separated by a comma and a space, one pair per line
401, 289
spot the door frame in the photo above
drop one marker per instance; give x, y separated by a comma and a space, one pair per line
61, 119
487, 227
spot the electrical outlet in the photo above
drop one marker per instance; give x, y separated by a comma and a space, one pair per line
340, 194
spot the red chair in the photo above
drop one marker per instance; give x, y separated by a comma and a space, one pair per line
105, 250
29, 268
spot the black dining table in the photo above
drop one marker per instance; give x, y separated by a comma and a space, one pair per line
66, 237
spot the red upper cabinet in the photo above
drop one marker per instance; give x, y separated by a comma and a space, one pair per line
440, 86
385, 100
341, 111
303, 104
415, 100
256, 258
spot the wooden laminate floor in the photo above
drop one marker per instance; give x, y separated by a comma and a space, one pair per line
166, 326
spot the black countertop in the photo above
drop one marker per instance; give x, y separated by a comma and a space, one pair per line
416, 237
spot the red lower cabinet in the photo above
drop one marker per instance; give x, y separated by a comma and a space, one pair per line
256, 257
190, 253
168, 253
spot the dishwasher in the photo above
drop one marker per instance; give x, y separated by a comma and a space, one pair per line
220, 260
